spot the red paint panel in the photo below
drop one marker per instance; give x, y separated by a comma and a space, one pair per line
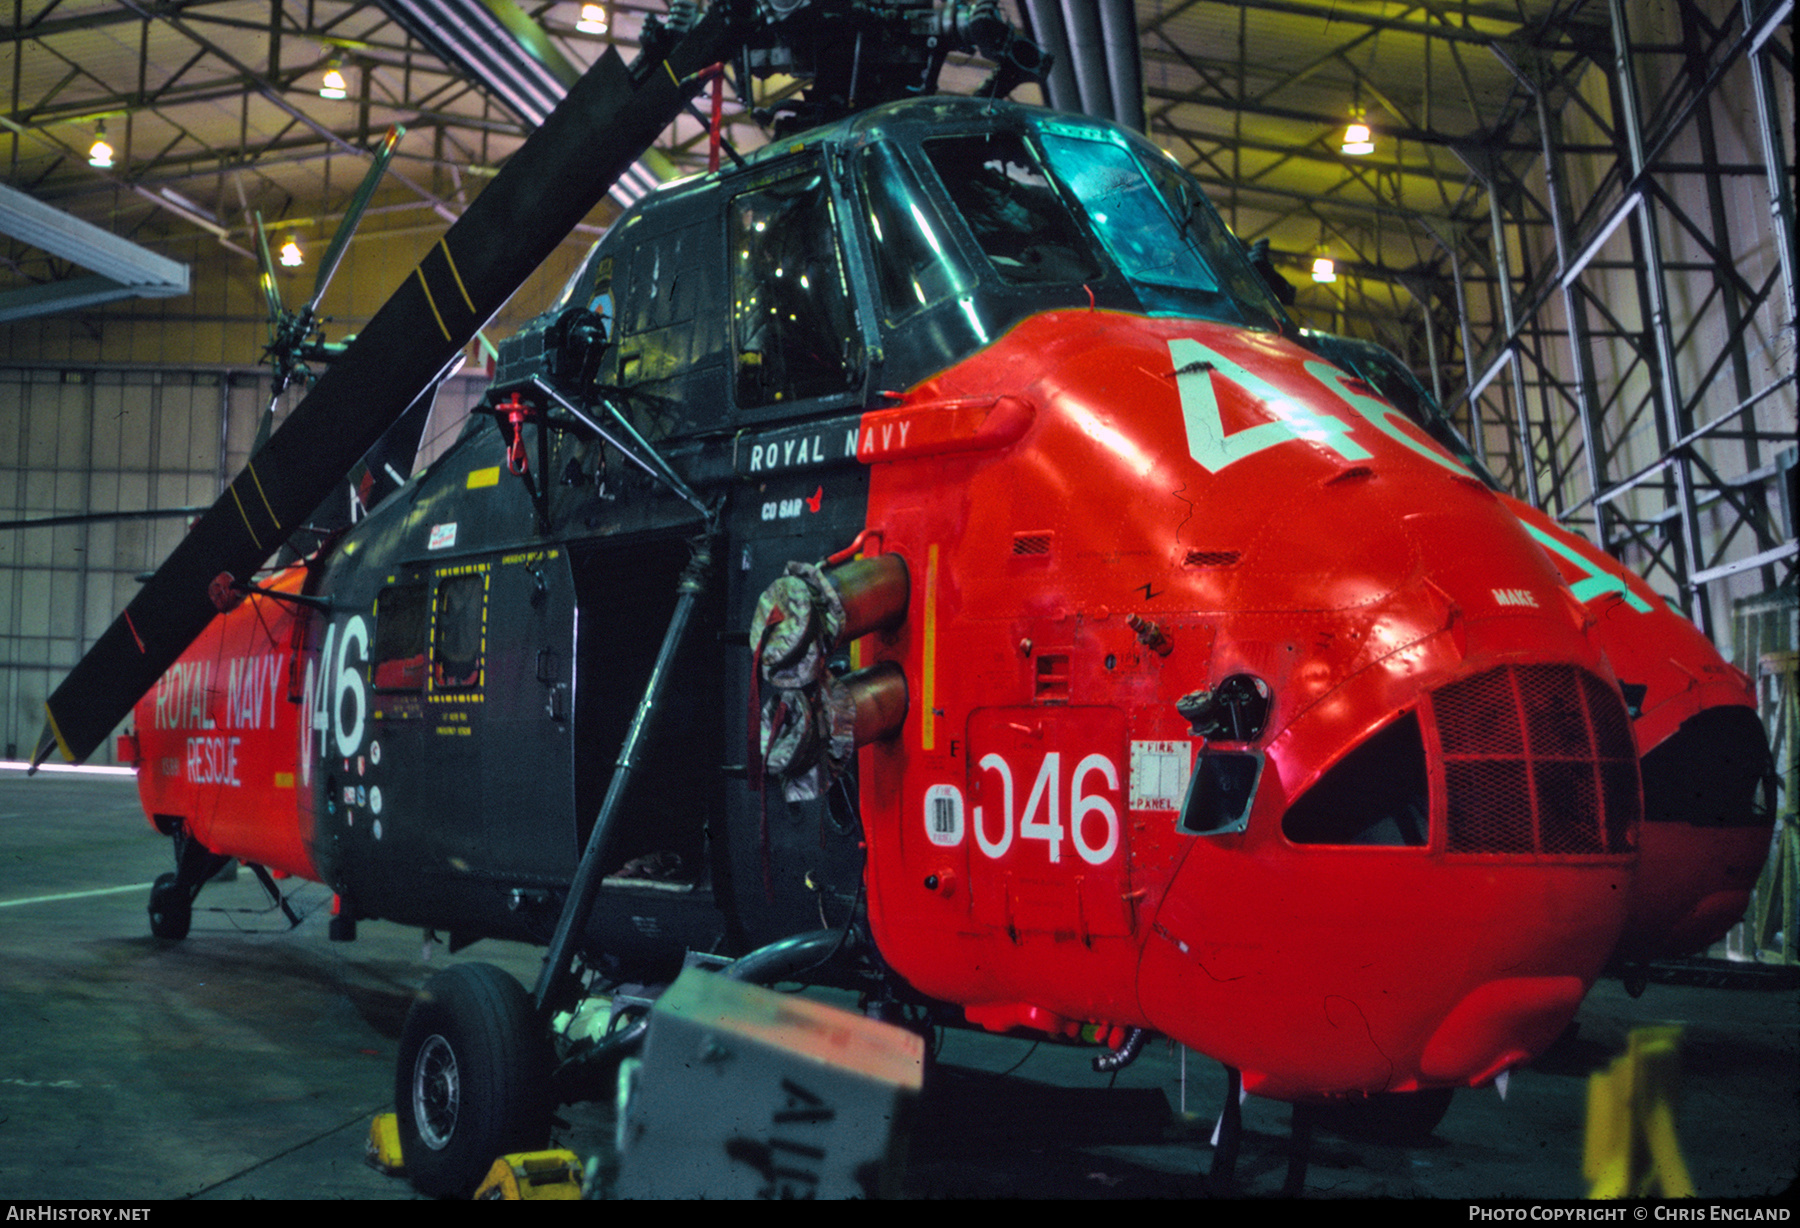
219, 737
1047, 826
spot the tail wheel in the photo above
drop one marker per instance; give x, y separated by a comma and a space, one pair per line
472, 1081
171, 908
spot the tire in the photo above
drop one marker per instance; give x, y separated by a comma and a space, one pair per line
1400, 1119
171, 909
472, 1080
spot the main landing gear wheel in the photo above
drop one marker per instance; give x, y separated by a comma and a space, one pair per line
472, 1079
171, 908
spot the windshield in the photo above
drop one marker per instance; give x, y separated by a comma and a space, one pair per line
1138, 230
1159, 229
1019, 221
1396, 383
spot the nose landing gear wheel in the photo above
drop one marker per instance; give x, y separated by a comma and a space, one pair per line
472, 1079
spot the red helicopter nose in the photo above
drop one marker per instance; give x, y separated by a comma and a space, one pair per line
1438, 857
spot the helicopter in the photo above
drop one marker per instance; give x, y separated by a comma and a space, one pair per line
921, 557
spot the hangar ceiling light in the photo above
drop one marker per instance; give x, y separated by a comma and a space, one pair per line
1358, 139
100, 154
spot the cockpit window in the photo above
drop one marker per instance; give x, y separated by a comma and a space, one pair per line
1159, 229
1012, 209
915, 263
1391, 378
1130, 217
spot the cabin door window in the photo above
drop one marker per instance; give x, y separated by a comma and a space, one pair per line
459, 633
400, 615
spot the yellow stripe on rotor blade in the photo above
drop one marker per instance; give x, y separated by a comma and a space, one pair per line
56, 732
462, 289
432, 303
273, 518
245, 516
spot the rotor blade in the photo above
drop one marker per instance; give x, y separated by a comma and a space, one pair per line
50, 522
266, 424
340, 241
265, 273
560, 173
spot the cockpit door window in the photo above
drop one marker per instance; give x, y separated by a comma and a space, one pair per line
916, 264
792, 311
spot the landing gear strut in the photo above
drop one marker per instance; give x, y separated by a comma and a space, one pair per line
1222, 1178
1393, 1118
172, 895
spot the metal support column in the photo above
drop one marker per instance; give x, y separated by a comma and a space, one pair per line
1764, 27
1574, 309
1509, 318
1673, 423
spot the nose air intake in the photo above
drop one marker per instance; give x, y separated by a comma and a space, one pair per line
1538, 759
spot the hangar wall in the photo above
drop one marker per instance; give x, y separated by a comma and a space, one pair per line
79, 443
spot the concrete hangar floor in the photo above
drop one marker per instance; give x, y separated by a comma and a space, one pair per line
248, 1060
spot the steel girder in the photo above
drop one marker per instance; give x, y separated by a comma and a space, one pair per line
1639, 375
